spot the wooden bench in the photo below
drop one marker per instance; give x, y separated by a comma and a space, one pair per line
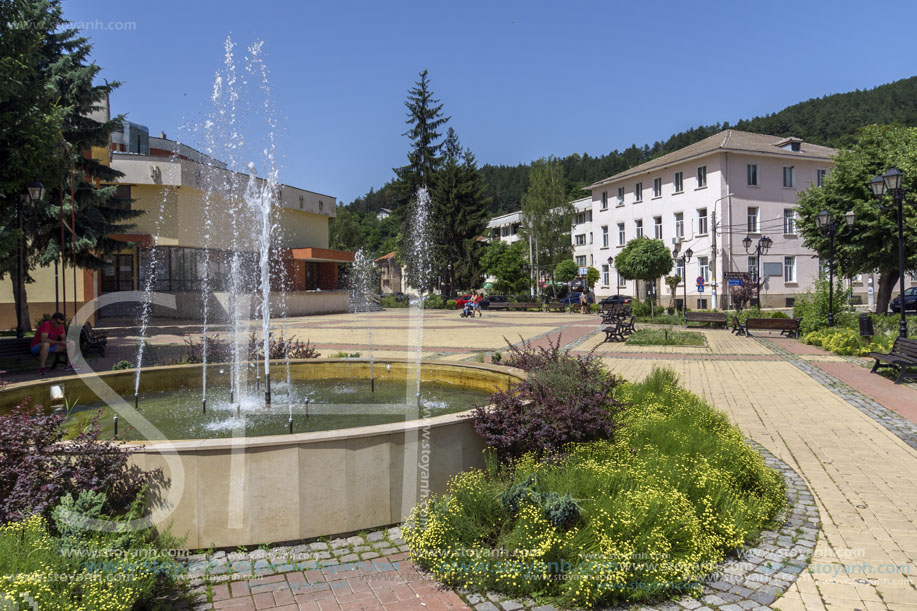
613, 313
620, 330
902, 357
738, 327
784, 325
92, 341
524, 305
555, 306
20, 349
498, 305
717, 317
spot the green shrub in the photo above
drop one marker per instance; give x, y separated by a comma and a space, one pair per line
846, 341
122, 365
434, 302
662, 337
813, 307
643, 517
641, 308
451, 305
110, 568
391, 302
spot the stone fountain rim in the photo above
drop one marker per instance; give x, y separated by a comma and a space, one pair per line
163, 446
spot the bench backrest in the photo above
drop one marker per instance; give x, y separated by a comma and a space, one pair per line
772, 323
706, 316
905, 347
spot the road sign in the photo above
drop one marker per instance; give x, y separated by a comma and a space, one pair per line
700, 281
735, 282
700, 288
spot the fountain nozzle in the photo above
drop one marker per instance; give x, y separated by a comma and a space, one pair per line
204, 405
136, 401
291, 425
115, 421
267, 389
372, 383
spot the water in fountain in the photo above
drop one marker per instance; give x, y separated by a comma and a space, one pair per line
420, 262
364, 298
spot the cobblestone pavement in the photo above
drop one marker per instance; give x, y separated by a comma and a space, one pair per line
856, 456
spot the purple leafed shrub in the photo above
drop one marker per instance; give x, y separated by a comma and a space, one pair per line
37, 469
529, 357
219, 350
566, 399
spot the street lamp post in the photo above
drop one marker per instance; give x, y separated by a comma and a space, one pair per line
35, 192
890, 183
830, 227
684, 266
764, 244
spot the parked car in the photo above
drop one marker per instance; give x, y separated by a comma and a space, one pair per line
910, 300
485, 303
461, 301
573, 299
617, 300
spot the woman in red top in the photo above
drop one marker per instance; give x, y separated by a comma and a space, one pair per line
51, 337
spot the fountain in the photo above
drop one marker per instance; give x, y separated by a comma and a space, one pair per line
348, 448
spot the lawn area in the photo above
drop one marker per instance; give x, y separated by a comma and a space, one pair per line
665, 337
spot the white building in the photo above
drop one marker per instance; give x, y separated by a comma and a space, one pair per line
505, 227
708, 197
581, 233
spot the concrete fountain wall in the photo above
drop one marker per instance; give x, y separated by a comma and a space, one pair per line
252, 490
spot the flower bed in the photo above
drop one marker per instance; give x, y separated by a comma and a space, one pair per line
640, 516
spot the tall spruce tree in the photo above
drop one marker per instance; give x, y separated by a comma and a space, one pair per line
48, 57
425, 118
460, 213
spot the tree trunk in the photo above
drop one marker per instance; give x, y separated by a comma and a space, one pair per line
887, 281
24, 306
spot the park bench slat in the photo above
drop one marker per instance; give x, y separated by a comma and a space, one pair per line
717, 317
784, 325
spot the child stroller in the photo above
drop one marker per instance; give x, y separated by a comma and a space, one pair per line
467, 310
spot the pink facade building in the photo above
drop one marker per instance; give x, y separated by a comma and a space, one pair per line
708, 197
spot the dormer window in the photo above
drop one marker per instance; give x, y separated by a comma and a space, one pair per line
791, 144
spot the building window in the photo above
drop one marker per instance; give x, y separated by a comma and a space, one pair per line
680, 268
638, 192
789, 176
789, 269
604, 236
621, 280
638, 229
701, 303
820, 177
789, 220
679, 182
605, 276
679, 225
752, 219
581, 239
620, 234
590, 237
620, 196
701, 177
515, 228
752, 170
753, 266
580, 218
657, 227
703, 267
657, 187
581, 261
604, 200
822, 268
702, 221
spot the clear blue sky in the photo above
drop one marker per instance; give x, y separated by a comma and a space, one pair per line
520, 80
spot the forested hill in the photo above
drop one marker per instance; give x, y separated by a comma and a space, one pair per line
831, 120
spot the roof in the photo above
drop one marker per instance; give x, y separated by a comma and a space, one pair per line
729, 140
390, 255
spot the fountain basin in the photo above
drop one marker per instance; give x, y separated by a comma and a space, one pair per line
252, 490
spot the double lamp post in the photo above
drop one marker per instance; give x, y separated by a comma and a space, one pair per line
685, 258
764, 244
35, 192
890, 183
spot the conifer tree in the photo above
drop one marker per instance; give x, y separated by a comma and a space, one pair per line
460, 213
55, 82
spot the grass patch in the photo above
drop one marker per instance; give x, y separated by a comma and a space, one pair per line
664, 337
640, 517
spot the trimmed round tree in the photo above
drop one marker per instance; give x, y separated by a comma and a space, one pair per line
643, 259
566, 270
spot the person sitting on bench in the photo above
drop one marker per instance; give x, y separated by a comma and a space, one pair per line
51, 336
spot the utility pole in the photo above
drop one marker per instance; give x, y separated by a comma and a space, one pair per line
713, 260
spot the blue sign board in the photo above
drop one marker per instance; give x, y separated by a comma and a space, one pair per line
700, 288
735, 282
